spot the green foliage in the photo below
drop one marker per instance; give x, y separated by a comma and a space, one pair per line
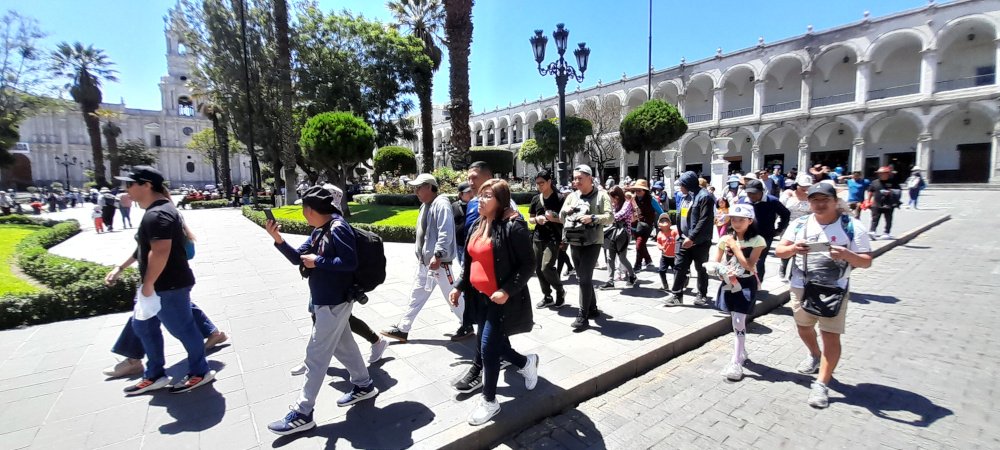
17, 219
133, 152
210, 204
22, 76
395, 161
56, 186
500, 160
332, 139
652, 126
575, 134
76, 288
449, 178
206, 145
389, 233
532, 154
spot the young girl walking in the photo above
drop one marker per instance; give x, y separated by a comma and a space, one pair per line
737, 254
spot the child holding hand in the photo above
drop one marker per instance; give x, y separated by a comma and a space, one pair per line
666, 241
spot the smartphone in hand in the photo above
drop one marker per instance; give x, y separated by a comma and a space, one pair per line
269, 214
817, 247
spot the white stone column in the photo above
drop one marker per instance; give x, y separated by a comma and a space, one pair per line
756, 161
758, 97
804, 155
861, 83
806, 97
995, 154
858, 155
924, 141
716, 104
996, 62
928, 72
681, 107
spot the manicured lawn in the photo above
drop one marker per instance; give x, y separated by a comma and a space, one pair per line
10, 236
373, 214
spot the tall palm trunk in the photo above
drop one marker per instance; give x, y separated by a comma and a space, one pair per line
285, 79
116, 167
222, 142
426, 119
94, 131
458, 28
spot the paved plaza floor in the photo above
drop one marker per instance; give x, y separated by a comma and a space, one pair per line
53, 395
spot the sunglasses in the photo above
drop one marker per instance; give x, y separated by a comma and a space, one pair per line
129, 184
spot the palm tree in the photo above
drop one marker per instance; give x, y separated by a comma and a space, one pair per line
111, 132
424, 19
458, 28
86, 67
284, 63
213, 112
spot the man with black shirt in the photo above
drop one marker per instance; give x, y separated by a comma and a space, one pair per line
884, 195
544, 213
458, 208
165, 293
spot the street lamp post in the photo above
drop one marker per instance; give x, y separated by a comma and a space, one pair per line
563, 71
66, 162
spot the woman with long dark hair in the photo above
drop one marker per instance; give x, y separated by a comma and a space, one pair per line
645, 220
736, 257
624, 207
497, 266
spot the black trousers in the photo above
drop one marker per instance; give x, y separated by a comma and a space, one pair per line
877, 213
585, 259
698, 254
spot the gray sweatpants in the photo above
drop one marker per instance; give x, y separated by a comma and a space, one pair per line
331, 337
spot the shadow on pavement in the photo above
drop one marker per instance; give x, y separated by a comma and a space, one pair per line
889, 403
197, 410
378, 375
606, 326
366, 426
872, 298
773, 375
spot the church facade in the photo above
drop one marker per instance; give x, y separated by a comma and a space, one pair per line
50, 138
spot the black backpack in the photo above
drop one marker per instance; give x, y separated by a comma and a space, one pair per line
371, 261
109, 200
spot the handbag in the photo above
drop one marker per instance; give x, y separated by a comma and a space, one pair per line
821, 299
642, 229
616, 237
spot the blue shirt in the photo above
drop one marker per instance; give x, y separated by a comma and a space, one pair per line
336, 260
856, 190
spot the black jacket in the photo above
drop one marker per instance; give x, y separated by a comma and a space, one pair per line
514, 265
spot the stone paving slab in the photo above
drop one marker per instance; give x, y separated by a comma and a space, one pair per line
51, 389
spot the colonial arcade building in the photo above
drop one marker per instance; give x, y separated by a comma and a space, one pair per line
915, 88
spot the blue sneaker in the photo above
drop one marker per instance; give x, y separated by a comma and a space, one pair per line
358, 394
294, 422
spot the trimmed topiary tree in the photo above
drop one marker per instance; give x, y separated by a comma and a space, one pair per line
532, 154
575, 134
652, 126
394, 160
337, 142
500, 160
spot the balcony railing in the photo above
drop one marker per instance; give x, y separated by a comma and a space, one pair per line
698, 117
833, 99
895, 91
783, 106
736, 113
986, 79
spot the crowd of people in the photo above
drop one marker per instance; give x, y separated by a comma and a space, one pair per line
480, 254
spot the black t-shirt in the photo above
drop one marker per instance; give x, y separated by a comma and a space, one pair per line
162, 221
458, 210
883, 195
550, 231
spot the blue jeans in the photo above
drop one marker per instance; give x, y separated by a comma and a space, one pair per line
175, 314
494, 345
129, 345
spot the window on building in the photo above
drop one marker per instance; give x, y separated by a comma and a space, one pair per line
985, 75
187, 131
181, 48
190, 167
157, 142
185, 107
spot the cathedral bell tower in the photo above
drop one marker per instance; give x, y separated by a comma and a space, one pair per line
175, 95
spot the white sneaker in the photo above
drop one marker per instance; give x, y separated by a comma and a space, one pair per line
124, 368
809, 365
378, 349
484, 411
819, 397
733, 372
299, 369
530, 372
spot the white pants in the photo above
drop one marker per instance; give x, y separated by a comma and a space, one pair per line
445, 279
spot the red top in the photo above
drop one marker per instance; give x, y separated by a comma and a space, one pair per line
481, 273
667, 243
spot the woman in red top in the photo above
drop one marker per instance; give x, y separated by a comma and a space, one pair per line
498, 264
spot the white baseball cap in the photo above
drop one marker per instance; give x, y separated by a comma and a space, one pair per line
742, 210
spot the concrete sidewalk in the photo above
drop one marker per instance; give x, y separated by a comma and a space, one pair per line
53, 395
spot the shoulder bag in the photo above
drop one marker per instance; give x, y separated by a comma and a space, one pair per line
821, 299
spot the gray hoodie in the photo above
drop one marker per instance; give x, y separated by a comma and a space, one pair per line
436, 228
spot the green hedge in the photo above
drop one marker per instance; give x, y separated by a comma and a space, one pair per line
521, 198
18, 219
76, 288
389, 233
210, 204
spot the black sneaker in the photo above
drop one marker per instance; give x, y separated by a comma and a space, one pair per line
395, 333
673, 300
463, 333
472, 381
594, 313
546, 302
634, 281
560, 300
191, 382
610, 284
294, 422
701, 300
358, 394
580, 324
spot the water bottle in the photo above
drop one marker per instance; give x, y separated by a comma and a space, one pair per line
431, 280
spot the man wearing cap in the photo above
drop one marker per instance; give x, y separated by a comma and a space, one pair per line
695, 223
165, 293
328, 258
458, 209
767, 210
435, 251
585, 213
884, 195
846, 246
857, 185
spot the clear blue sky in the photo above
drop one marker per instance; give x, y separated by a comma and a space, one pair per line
502, 68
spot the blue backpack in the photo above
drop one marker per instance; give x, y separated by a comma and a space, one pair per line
845, 222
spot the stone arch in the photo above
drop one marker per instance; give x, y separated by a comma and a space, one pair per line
737, 86
939, 119
572, 108
812, 127
779, 145
782, 78
894, 37
620, 95
699, 95
753, 67
550, 112
503, 124
957, 134
797, 55
668, 91
949, 29
964, 46
767, 129
874, 119
696, 150
713, 79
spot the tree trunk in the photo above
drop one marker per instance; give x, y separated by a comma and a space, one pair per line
458, 29
222, 141
94, 131
642, 165
426, 124
215, 166
285, 113
116, 167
